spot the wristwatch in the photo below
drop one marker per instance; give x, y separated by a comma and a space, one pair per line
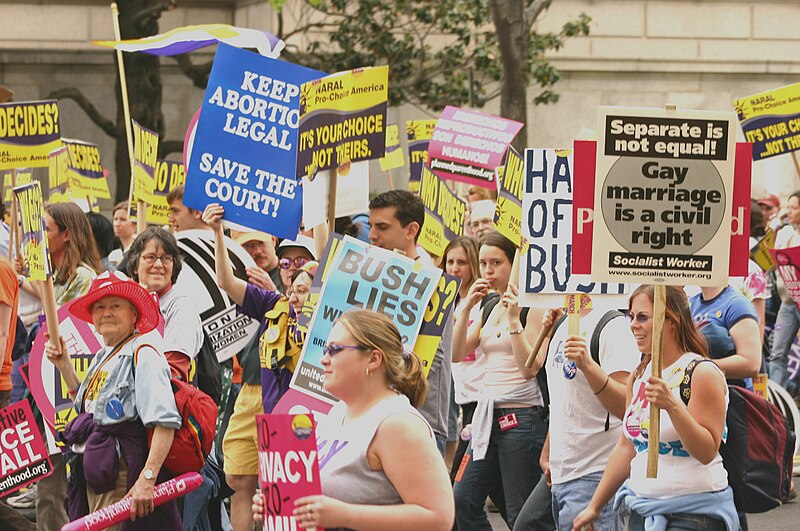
148, 474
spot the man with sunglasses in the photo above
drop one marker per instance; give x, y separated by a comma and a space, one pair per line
292, 255
587, 401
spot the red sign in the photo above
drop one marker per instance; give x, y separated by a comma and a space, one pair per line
23, 454
288, 468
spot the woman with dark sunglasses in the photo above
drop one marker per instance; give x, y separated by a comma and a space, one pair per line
371, 436
292, 255
691, 490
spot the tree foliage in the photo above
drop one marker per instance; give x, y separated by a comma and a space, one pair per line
439, 52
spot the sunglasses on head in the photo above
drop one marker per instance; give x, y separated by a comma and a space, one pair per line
286, 263
640, 318
332, 350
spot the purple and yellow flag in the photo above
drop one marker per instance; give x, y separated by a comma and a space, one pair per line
189, 38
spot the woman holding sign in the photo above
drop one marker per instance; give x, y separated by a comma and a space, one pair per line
508, 428
125, 390
691, 490
379, 465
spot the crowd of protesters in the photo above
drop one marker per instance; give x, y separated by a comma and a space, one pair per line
557, 444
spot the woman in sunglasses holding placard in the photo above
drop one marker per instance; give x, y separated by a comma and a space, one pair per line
292, 255
691, 490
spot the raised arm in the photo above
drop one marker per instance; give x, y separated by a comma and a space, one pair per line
466, 338
234, 287
522, 338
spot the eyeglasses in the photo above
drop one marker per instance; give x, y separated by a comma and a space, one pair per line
166, 259
640, 318
481, 222
286, 263
332, 350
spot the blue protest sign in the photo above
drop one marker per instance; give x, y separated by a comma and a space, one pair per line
245, 148
364, 276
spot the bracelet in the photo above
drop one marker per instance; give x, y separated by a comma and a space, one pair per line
604, 386
516, 332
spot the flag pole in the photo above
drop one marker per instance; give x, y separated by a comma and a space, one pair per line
141, 208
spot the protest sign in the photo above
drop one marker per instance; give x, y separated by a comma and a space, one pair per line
48, 388
169, 175
145, 153
467, 145
444, 213
330, 253
28, 132
342, 119
85, 172
663, 196
245, 146
229, 332
508, 212
584, 196
34, 234
760, 252
352, 193
58, 175
119, 512
787, 262
547, 183
23, 455
368, 277
394, 155
771, 121
418, 133
288, 468
24, 176
440, 309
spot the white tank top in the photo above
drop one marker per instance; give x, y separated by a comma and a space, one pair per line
678, 472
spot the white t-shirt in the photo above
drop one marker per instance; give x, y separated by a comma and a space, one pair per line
183, 331
579, 442
679, 473
468, 375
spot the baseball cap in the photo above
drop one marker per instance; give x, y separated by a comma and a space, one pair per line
770, 200
242, 237
303, 242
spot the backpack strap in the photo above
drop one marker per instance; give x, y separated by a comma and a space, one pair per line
686, 383
487, 305
594, 345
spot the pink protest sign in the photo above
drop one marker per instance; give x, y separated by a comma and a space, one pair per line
788, 263
288, 468
467, 145
23, 454
117, 513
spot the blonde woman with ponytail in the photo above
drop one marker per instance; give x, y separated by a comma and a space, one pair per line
379, 465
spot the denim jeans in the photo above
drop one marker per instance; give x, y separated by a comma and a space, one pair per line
571, 497
537, 513
513, 458
679, 522
786, 325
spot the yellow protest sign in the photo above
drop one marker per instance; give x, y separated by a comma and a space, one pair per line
342, 119
145, 151
394, 155
508, 215
58, 175
444, 213
85, 173
34, 237
29, 131
760, 252
23, 177
771, 121
168, 176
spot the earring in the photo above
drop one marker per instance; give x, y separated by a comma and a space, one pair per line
369, 374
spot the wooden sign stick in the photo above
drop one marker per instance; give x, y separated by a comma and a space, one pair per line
13, 234
390, 179
50, 309
334, 178
141, 206
796, 163
514, 276
659, 303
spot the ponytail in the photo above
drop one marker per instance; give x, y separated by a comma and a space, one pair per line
411, 380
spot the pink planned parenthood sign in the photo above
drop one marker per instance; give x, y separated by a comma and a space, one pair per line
23, 454
467, 145
288, 468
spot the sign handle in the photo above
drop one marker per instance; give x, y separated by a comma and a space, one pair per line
659, 303
13, 244
501, 313
141, 208
390, 179
334, 180
50, 309
543, 334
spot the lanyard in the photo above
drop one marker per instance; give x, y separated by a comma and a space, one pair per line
96, 373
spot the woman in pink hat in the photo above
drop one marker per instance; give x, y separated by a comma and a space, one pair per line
125, 390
